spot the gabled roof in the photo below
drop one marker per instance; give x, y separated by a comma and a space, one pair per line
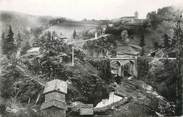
54, 103
56, 85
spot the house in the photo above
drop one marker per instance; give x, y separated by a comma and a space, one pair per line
131, 20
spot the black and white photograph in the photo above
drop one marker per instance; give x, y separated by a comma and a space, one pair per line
91, 58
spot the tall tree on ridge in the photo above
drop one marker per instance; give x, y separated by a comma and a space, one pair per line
74, 34
8, 44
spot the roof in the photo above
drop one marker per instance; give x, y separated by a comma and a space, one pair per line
107, 102
86, 106
56, 85
54, 103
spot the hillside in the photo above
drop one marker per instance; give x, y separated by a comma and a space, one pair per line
38, 49
21, 22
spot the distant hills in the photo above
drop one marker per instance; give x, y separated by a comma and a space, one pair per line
21, 22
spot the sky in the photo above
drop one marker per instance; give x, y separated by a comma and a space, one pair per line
90, 9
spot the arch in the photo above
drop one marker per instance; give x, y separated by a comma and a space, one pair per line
118, 66
115, 63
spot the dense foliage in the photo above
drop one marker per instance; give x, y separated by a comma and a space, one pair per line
88, 80
103, 66
102, 45
86, 83
161, 74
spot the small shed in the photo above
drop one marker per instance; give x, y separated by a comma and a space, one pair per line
55, 105
86, 109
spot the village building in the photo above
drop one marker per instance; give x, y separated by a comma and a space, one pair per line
131, 19
54, 93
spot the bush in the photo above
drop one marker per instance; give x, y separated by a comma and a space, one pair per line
143, 67
103, 66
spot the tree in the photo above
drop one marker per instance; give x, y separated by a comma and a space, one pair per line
8, 44
125, 36
179, 79
142, 44
166, 41
3, 43
25, 48
52, 48
10, 74
154, 19
74, 34
156, 45
142, 41
163, 14
19, 40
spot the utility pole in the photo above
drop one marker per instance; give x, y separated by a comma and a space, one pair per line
179, 80
72, 55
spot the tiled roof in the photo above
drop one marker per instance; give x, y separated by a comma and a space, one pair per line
54, 103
